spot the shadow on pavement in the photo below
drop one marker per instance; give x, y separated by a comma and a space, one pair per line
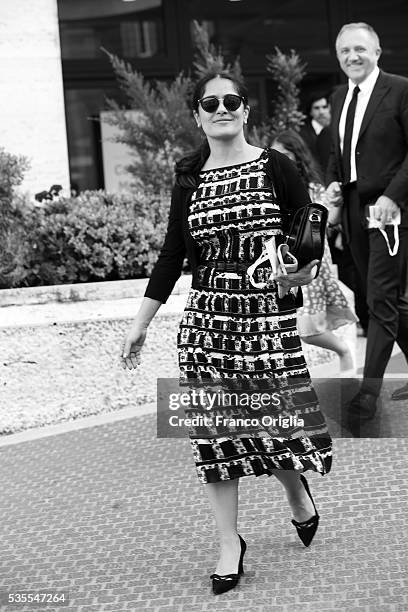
390, 420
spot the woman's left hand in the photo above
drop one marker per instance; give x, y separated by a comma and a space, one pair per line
304, 276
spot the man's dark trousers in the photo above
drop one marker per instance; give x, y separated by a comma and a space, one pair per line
387, 289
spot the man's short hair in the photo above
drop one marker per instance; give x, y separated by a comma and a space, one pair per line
360, 25
314, 97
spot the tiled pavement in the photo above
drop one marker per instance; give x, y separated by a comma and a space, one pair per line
117, 517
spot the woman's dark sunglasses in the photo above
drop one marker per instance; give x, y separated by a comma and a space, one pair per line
231, 102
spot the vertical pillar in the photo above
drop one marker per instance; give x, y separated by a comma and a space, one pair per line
32, 115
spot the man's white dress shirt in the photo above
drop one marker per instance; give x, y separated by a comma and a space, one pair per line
366, 88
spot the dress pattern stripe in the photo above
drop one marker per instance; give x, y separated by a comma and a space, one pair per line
238, 337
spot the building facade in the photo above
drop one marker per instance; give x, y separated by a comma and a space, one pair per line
32, 118
155, 37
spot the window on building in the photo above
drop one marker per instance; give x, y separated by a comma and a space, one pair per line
253, 28
83, 108
128, 29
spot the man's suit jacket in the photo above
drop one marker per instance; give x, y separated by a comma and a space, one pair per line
382, 146
309, 136
323, 148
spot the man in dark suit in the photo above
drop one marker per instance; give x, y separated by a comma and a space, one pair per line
318, 111
369, 159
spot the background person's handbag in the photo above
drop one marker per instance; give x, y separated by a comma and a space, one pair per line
306, 234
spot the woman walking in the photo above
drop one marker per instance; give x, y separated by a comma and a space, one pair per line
224, 207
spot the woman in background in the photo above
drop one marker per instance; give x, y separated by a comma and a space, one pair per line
325, 307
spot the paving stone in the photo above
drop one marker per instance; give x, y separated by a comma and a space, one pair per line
118, 518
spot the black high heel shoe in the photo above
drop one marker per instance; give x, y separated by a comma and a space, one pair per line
307, 529
222, 584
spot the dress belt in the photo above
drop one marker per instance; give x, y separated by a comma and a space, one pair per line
227, 266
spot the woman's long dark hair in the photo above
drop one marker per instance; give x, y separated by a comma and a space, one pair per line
188, 167
308, 168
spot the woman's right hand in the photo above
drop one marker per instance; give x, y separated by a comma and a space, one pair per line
132, 346
303, 276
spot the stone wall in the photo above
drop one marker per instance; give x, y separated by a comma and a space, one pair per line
32, 118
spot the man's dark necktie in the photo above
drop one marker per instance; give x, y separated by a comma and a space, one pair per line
348, 133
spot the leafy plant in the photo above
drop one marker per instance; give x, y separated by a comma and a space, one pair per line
12, 169
157, 124
95, 236
13, 239
159, 131
287, 71
209, 58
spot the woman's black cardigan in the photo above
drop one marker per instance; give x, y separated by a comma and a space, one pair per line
291, 194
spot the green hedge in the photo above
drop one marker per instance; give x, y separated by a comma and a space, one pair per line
92, 237
13, 242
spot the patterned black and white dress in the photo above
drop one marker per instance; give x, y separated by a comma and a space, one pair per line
232, 333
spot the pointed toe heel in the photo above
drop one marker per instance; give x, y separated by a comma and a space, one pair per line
306, 529
222, 584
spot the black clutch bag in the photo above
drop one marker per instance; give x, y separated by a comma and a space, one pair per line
306, 234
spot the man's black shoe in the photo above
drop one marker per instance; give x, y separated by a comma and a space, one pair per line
359, 412
400, 394
363, 406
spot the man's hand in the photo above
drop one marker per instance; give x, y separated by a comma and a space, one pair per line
385, 210
296, 279
333, 194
